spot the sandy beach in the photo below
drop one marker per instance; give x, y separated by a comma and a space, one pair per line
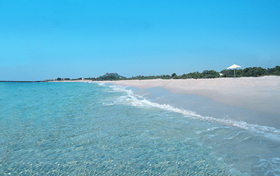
255, 93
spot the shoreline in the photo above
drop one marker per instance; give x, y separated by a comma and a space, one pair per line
256, 93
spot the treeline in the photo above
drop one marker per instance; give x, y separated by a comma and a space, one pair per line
195, 75
151, 77
247, 72
252, 72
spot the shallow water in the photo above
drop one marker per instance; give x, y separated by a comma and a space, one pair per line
101, 129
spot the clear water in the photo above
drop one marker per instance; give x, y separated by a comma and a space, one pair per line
100, 129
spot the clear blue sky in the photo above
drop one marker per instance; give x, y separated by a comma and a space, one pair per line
42, 39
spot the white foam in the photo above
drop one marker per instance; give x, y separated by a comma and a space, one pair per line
100, 83
139, 101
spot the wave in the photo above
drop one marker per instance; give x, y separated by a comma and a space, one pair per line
133, 99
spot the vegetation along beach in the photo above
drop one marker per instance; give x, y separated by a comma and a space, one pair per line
162, 88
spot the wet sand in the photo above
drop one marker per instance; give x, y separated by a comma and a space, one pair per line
259, 94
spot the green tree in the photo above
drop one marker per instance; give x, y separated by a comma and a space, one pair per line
174, 76
210, 74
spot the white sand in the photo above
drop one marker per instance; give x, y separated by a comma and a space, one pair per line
261, 94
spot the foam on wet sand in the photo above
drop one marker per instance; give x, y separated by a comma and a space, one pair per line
260, 94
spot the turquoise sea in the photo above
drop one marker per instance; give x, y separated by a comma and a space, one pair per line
104, 129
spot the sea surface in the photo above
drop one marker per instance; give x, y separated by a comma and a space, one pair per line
104, 129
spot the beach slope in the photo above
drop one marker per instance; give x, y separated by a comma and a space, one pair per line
255, 93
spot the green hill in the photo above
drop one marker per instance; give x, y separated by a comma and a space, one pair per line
111, 76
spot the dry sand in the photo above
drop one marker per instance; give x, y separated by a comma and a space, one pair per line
260, 94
